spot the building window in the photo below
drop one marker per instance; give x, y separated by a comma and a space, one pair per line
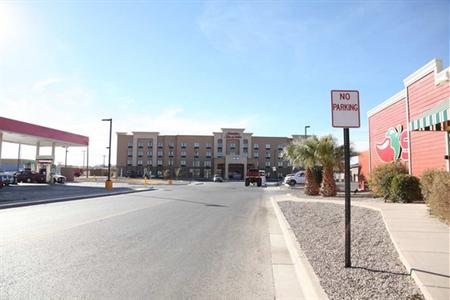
171, 145
208, 154
196, 154
140, 153
219, 154
280, 164
183, 153
196, 145
160, 144
220, 143
160, 153
183, 145
255, 146
255, 154
267, 146
170, 162
196, 163
171, 154
183, 163
245, 150
140, 145
207, 163
267, 154
208, 145
232, 146
150, 144
129, 162
139, 162
149, 154
219, 149
289, 163
280, 146
130, 153
245, 144
159, 162
149, 163
268, 164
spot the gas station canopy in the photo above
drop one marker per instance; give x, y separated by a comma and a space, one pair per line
19, 132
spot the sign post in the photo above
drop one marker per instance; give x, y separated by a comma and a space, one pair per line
345, 114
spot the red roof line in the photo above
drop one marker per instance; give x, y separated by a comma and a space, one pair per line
41, 131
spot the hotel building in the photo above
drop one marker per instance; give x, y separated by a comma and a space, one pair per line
227, 153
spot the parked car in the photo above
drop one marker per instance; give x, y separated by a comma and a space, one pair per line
293, 179
30, 177
255, 176
8, 178
217, 178
58, 178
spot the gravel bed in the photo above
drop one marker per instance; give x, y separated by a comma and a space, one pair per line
376, 273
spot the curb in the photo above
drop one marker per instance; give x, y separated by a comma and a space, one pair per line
309, 282
37, 202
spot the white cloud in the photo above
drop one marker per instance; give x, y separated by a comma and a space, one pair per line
42, 84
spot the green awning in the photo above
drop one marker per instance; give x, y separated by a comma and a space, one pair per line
436, 115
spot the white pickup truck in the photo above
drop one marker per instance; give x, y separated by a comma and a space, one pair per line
293, 179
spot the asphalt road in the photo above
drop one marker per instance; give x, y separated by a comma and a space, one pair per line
207, 241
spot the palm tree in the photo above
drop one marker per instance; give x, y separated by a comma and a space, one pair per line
303, 154
331, 157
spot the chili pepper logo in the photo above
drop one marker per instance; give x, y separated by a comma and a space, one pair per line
394, 145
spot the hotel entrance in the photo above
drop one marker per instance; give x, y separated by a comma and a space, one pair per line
236, 171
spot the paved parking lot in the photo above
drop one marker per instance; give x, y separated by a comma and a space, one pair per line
45, 192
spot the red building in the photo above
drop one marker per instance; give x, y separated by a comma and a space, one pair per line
414, 125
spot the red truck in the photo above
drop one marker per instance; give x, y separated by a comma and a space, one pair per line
255, 176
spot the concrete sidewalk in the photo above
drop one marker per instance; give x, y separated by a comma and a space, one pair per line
422, 241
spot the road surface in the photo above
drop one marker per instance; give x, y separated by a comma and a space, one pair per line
205, 241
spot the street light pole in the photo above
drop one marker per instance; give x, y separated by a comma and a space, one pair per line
108, 183
65, 160
306, 130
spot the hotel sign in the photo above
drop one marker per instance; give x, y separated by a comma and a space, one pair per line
233, 135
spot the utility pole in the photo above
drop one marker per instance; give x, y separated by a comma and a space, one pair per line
65, 160
84, 159
108, 183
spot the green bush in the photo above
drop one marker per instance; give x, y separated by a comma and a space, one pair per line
381, 177
439, 197
426, 181
405, 188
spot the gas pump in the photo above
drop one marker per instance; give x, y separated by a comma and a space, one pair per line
45, 166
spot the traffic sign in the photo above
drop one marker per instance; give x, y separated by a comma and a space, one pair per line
345, 108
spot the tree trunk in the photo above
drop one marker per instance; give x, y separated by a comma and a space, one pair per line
311, 186
328, 184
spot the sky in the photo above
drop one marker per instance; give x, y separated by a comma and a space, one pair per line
193, 67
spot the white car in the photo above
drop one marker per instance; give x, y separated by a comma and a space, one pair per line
293, 179
57, 178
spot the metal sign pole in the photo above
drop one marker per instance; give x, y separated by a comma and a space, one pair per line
348, 262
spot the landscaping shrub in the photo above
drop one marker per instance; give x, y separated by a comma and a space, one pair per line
405, 188
439, 197
381, 177
426, 182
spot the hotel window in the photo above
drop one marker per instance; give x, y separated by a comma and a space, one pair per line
159, 162
267, 163
208, 154
150, 144
139, 162
130, 145
220, 149
160, 153
130, 153
183, 145
219, 154
171, 154
160, 144
149, 154
289, 163
171, 145
219, 143
280, 154
245, 150
267, 146
280, 146
267, 154
140, 145
232, 146
207, 163
196, 154
183, 153
129, 162
183, 163
196, 145
140, 153
255, 146
196, 163
255, 154
149, 163
245, 144
170, 162
208, 145
280, 164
